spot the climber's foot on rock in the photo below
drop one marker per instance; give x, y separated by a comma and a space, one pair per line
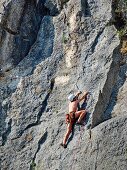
63, 145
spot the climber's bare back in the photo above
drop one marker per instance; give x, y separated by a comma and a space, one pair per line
73, 106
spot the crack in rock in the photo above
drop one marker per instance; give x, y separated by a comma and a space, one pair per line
6, 133
97, 155
40, 142
9, 30
96, 40
42, 109
86, 8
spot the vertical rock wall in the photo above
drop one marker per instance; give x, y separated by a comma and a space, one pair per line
19, 25
73, 46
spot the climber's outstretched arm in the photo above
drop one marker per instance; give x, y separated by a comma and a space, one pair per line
78, 93
83, 97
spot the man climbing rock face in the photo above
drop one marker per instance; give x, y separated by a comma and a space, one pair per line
74, 114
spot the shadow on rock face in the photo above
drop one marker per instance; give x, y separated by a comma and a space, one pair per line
85, 8
19, 30
115, 91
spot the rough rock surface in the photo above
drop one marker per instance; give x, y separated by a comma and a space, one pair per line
19, 28
72, 45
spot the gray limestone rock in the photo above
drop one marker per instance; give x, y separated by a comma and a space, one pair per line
71, 46
19, 25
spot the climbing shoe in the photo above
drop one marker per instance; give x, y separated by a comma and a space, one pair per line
63, 145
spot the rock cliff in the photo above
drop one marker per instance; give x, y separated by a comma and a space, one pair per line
48, 49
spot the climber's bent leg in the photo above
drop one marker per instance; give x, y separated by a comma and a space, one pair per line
80, 115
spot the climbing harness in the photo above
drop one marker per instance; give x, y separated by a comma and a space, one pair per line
70, 118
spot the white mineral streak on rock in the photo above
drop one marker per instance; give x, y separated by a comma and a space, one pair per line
38, 70
4, 103
72, 21
21, 83
68, 58
70, 54
61, 80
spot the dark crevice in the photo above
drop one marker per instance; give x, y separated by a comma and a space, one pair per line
27, 28
6, 133
42, 10
97, 150
43, 53
118, 18
42, 109
85, 8
10, 31
51, 8
96, 40
62, 3
40, 142
27, 35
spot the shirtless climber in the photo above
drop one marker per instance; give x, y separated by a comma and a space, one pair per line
74, 114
